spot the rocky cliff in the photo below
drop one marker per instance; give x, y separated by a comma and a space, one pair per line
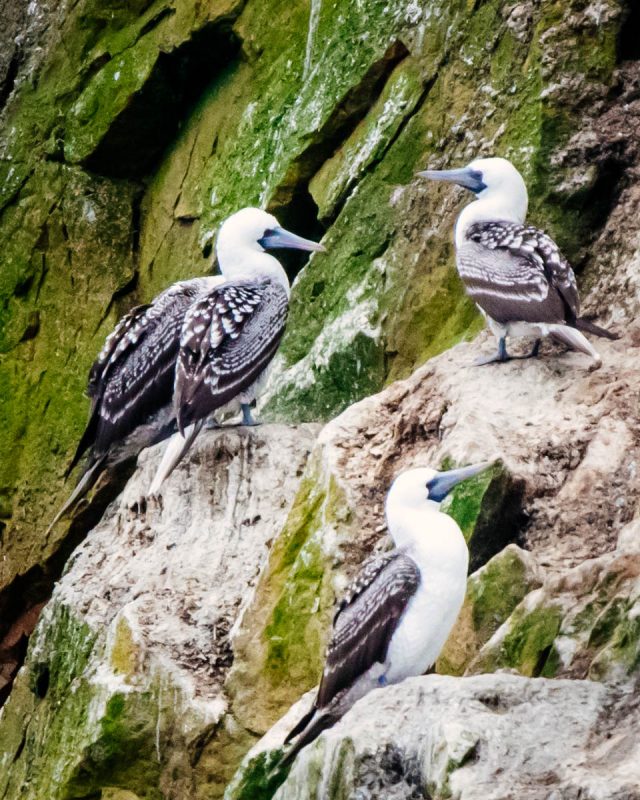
180, 632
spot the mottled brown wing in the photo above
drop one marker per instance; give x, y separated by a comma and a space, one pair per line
228, 339
366, 621
517, 273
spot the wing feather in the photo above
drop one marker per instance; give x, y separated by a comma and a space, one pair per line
132, 376
228, 338
517, 273
366, 621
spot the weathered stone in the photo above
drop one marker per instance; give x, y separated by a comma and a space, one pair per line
583, 623
123, 682
492, 594
217, 110
488, 737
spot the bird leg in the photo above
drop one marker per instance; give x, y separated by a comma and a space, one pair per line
247, 417
535, 350
498, 357
502, 354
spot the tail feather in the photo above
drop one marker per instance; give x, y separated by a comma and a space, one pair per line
590, 327
575, 340
174, 453
316, 723
86, 482
301, 725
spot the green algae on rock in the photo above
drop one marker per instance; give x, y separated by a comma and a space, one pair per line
493, 592
580, 625
280, 645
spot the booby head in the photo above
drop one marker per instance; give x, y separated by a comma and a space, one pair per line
417, 487
252, 230
498, 186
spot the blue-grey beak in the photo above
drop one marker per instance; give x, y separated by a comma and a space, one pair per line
443, 482
279, 237
467, 177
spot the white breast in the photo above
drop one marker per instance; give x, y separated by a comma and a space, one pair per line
432, 612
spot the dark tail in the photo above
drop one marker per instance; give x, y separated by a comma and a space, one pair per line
590, 327
315, 723
86, 482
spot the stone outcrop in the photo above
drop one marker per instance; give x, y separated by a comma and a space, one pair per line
488, 737
127, 133
124, 683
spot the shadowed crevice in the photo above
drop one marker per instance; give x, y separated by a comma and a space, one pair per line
292, 202
138, 136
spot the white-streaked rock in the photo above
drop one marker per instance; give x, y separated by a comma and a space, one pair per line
488, 737
137, 634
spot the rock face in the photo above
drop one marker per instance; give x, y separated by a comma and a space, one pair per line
128, 131
124, 683
485, 738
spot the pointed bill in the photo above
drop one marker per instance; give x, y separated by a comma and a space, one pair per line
443, 482
279, 237
467, 177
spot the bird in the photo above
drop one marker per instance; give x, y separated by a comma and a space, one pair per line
234, 320
230, 335
398, 612
515, 273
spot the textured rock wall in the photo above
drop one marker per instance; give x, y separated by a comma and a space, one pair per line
127, 132
124, 682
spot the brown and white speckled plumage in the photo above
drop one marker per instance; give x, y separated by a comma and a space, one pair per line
516, 273
228, 339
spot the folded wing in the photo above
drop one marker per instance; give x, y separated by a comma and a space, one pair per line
366, 621
228, 339
517, 273
133, 376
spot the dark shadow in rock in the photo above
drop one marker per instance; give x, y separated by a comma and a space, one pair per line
139, 135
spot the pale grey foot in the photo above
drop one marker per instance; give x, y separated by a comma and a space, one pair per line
247, 417
502, 354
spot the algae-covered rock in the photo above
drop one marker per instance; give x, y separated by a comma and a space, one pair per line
493, 592
123, 684
582, 624
321, 113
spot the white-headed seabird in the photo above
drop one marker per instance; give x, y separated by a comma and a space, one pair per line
223, 330
397, 614
230, 336
515, 273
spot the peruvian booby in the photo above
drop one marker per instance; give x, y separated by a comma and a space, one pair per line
234, 320
515, 273
397, 614
230, 335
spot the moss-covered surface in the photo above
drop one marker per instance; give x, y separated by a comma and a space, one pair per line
113, 180
80, 722
493, 592
586, 627
486, 508
259, 779
279, 650
215, 107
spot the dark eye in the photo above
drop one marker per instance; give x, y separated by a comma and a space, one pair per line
269, 232
479, 178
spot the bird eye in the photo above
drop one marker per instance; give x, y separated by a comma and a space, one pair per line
476, 175
267, 233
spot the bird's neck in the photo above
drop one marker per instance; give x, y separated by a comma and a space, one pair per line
430, 537
246, 263
492, 207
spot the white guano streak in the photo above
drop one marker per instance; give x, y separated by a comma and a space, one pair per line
314, 17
